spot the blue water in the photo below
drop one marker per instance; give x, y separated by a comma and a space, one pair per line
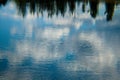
75, 44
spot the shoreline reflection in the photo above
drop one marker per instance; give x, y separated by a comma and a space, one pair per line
54, 7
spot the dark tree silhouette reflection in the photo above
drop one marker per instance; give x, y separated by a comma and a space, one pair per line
3, 2
59, 7
94, 8
21, 5
85, 2
71, 4
110, 6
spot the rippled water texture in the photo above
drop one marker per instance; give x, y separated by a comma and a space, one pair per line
59, 40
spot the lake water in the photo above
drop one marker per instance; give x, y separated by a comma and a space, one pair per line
59, 40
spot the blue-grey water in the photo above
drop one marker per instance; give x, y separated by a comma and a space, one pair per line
59, 40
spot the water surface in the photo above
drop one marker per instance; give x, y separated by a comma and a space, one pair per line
59, 40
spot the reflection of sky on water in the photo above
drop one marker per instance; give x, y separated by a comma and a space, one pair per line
75, 47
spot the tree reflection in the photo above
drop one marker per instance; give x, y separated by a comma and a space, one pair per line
94, 7
71, 4
85, 2
3, 2
57, 7
21, 5
110, 5
61, 8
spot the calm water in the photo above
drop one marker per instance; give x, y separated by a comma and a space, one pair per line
59, 40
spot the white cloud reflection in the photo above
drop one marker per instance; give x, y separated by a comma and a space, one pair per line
102, 56
52, 33
12, 11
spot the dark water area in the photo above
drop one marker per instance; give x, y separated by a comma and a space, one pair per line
59, 40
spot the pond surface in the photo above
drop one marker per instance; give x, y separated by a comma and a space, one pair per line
59, 40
